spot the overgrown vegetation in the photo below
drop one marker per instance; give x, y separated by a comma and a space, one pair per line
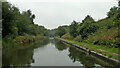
19, 26
0, 21
105, 32
106, 51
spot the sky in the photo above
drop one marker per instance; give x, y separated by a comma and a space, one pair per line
54, 13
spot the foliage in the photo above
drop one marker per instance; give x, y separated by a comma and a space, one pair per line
88, 19
104, 37
16, 23
67, 36
8, 42
78, 38
60, 31
113, 52
73, 29
87, 27
112, 11
102, 32
25, 39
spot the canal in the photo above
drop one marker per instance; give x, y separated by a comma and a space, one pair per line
51, 52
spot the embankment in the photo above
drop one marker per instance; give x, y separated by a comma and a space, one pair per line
19, 40
108, 59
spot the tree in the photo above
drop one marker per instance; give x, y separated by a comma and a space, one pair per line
117, 16
33, 16
19, 24
60, 31
112, 11
119, 4
87, 27
8, 23
73, 29
0, 10
88, 19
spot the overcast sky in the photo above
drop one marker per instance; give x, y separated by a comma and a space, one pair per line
53, 13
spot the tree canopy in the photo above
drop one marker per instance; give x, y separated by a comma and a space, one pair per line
102, 32
60, 31
19, 24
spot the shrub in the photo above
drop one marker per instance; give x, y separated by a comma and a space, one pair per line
25, 39
67, 36
78, 38
103, 39
117, 42
91, 39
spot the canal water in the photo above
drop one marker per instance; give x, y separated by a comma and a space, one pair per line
51, 52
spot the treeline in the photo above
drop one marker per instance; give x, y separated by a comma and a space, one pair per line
16, 24
0, 21
102, 32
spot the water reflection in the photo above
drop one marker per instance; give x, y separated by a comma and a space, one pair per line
60, 45
21, 57
67, 55
88, 61
18, 57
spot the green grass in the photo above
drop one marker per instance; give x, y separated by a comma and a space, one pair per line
107, 51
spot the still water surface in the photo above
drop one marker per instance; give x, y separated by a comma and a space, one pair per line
50, 52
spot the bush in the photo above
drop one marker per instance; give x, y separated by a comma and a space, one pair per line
26, 39
67, 36
78, 38
117, 42
103, 39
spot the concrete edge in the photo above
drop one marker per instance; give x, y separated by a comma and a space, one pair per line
111, 59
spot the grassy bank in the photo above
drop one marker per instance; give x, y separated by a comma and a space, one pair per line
109, 52
19, 40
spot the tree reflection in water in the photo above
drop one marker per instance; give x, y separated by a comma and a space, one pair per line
86, 59
24, 56
60, 45
77, 55
21, 57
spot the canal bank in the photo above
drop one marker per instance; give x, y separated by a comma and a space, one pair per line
52, 52
115, 61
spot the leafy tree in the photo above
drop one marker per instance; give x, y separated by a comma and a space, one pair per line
88, 19
119, 4
0, 20
73, 29
0, 10
19, 24
52, 33
112, 11
60, 31
86, 30
66, 28
117, 19
8, 18
87, 27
